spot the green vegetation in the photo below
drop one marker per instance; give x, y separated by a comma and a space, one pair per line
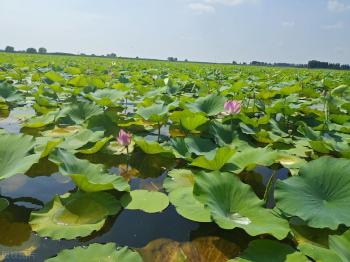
196, 135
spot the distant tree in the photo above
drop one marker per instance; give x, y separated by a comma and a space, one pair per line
31, 50
172, 59
186, 60
234, 62
112, 55
42, 50
10, 49
137, 57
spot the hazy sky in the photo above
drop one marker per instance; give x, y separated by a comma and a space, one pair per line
208, 30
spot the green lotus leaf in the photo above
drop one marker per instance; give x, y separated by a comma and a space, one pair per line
97, 147
250, 157
3, 204
200, 146
318, 253
55, 77
107, 97
341, 245
179, 186
62, 131
147, 201
221, 157
41, 121
80, 139
268, 251
74, 215
342, 91
188, 119
151, 147
9, 93
180, 148
234, 204
45, 145
82, 111
78, 81
319, 194
87, 176
155, 112
97, 253
224, 135
16, 154
211, 105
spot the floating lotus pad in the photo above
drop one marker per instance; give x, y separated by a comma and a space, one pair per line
180, 185
148, 201
97, 253
74, 215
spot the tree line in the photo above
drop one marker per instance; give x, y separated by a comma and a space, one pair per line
310, 64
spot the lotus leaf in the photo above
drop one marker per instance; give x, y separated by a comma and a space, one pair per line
16, 154
74, 215
180, 185
234, 204
319, 194
87, 176
269, 250
148, 201
97, 253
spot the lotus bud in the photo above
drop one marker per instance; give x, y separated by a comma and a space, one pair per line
232, 107
124, 138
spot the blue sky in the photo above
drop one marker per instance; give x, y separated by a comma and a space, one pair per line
207, 30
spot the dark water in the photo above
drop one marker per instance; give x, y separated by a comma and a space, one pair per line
136, 229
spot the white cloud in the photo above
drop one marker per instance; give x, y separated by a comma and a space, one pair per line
230, 2
288, 23
201, 8
337, 6
335, 26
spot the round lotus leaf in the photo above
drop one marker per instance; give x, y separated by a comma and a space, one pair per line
97, 253
148, 201
320, 194
179, 186
76, 215
234, 204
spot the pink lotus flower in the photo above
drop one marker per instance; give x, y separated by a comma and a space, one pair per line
232, 107
124, 138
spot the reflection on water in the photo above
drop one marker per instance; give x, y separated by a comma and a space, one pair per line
12, 122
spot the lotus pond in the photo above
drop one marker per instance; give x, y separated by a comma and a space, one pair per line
132, 160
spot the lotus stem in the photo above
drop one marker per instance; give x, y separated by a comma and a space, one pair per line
269, 186
159, 131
